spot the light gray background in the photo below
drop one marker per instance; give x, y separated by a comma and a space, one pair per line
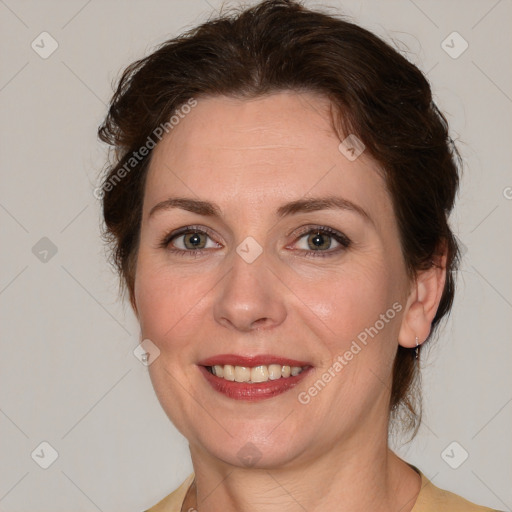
68, 374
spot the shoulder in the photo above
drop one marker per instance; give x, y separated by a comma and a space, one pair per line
430, 499
174, 501
434, 499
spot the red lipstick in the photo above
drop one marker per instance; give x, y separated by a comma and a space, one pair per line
252, 391
251, 361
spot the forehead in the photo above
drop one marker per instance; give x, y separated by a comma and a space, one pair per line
274, 148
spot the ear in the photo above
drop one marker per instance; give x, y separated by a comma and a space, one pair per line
422, 302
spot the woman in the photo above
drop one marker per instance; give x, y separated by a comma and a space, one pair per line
278, 214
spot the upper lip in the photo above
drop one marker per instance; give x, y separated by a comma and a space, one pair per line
251, 361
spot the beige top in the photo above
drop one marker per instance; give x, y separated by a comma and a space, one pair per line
430, 499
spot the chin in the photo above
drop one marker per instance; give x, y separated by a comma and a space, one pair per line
255, 446
248, 454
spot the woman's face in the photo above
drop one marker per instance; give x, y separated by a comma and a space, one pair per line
311, 286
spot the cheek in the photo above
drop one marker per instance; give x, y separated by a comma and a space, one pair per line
169, 302
346, 301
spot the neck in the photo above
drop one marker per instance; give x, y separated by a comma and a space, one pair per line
360, 473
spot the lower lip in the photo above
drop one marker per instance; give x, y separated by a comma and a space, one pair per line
252, 392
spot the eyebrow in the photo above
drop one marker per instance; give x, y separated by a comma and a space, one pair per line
210, 209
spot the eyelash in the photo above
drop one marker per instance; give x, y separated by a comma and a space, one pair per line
342, 239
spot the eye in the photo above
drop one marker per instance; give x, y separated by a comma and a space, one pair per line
189, 239
316, 241
322, 241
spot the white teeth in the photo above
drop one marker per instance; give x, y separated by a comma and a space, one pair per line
256, 374
242, 374
274, 371
259, 374
229, 372
295, 370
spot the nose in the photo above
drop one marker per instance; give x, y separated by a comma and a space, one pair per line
250, 297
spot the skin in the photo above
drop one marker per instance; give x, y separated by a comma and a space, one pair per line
250, 157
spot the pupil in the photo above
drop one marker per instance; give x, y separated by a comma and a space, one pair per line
319, 241
194, 241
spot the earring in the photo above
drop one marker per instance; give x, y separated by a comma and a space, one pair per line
417, 347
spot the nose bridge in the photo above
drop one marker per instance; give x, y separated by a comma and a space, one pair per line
248, 296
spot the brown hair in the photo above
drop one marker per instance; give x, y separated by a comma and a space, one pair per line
376, 94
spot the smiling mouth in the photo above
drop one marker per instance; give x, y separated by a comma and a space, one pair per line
255, 374
261, 388
253, 377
